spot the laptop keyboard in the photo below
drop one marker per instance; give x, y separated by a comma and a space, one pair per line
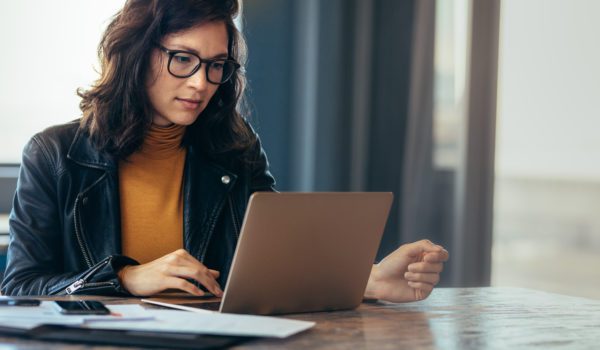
212, 306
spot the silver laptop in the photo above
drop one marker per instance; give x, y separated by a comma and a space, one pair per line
302, 252
305, 252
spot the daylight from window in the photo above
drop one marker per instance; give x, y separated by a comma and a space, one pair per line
547, 199
44, 64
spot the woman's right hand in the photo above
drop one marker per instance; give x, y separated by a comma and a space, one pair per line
169, 272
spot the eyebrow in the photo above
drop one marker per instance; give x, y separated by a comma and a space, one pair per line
187, 48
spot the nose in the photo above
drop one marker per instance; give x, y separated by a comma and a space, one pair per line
198, 80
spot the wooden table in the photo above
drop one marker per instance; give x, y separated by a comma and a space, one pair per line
452, 318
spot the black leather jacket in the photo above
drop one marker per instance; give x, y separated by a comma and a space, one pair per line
65, 231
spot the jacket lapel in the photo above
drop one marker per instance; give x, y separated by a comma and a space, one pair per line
97, 209
206, 187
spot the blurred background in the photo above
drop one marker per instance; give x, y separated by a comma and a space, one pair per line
480, 115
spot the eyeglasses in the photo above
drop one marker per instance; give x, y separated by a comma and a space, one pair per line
184, 64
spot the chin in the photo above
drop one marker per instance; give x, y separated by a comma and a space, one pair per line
187, 119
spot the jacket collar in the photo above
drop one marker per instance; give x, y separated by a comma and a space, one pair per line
83, 152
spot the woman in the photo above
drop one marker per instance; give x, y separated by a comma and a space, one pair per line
145, 192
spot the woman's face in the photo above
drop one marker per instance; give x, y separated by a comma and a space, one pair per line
181, 100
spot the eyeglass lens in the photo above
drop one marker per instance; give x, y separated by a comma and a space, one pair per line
183, 65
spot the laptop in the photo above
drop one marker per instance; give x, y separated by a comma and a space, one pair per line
304, 252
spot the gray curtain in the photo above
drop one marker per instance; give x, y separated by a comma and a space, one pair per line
346, 68
472, 236
418, 173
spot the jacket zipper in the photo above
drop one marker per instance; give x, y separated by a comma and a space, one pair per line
80, 241
80, 283
234, 219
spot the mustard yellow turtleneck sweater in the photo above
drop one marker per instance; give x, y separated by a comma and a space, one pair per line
151, 192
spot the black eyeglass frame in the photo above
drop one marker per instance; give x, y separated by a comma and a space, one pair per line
201, 60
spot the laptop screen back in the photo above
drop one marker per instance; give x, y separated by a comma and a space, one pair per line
305, 252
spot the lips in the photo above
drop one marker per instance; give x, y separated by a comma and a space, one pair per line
189, 103
189, 100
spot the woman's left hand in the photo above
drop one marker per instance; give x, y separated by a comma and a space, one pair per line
407, 274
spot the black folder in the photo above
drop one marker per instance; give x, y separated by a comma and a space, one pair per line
124, 338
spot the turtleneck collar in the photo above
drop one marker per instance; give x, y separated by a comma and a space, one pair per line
162, 142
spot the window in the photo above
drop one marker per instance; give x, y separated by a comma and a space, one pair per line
48, 51
451, 49
547, 227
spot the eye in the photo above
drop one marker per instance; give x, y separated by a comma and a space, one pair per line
217, 65
183, 58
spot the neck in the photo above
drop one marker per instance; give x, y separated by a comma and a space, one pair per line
163, 141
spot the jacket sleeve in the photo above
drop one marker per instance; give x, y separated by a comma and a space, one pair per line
35, 251
261, 177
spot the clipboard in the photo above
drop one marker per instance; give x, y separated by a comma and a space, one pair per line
61, 333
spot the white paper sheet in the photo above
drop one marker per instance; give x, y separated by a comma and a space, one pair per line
211, 323
135, 317
27, 317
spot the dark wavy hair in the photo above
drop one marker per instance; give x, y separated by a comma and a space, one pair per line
117, 112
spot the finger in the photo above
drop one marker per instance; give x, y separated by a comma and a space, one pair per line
202, 275
187, 272
436, 257
417, 248
426, 267
182, 284
429, 246
426, 288
207, 280
211, 274
194, 269
419, 294
431, 278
